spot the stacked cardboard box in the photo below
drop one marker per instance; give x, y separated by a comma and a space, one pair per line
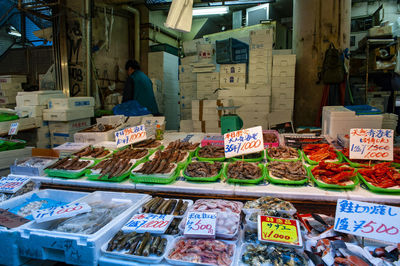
9, 88
207, 85
260, 56
283, 75
187, 86
206, 116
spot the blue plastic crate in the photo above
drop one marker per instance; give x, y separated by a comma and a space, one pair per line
231, 51
364, 109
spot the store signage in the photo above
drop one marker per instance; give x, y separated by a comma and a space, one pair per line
201, 224
371, 144
13, 129
147, 222
11, 220
279, 230
370, 220
11, 184
130, 135
64, 211
244, 141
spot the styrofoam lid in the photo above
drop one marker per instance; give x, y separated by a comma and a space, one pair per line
40, 92
338, 111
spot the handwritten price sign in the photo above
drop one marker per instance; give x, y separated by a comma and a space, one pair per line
279, 230
130, 135
243, 141
147, 222
200, 224
12, 184
64, 211
13, 129
371, 144
375, 221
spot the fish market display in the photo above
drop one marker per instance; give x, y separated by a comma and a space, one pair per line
203, 169
320, 152
29, 186
244, 171
69, 164
156, 166
283, 152
381, 175
89, 223
112, 167
148, 144
93, 152
138, 244
214, 252
130, 153
217, 205
287, 170
333, 173
165, 206
172, 155
264, 254
182, 145
210, 151
271, 204
269, 137
173, 228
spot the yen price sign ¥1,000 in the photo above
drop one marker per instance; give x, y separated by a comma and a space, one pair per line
279, 230
130, 135
148, 222
371, 144
244, 141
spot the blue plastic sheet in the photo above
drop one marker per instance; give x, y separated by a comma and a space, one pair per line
130, 108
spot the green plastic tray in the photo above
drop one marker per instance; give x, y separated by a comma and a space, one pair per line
285, 181
64, 173
332, 186
154, 179
202, 179
395, 165
8, 117
338, 154
102, 158
283, 160
378, 189
244, 182
254, 160
203, 159
12, 144
115, 179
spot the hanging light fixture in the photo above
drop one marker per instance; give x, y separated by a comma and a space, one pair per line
204, 11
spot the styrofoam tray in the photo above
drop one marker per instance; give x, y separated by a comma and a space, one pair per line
168, 175
190, 203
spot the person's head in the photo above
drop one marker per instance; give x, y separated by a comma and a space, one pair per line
131, 66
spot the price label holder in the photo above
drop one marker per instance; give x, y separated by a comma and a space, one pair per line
370, 220
12, 184
11, 220
371, 144
244, 141
130, 135
147, 222
13, 129
279, 230
201, 224
64, 211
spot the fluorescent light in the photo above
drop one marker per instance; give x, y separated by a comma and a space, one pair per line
210, 10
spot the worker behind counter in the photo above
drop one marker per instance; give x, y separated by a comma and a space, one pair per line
139, 87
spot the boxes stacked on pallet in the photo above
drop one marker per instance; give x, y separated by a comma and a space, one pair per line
187, 86
67, 116
283, 75
206, 116
10, 85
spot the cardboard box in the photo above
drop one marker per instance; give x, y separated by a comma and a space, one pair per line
74, 125
206, 96
208, 77
233, 68
232, 80
259, 79
67, 114
262, 52
9, 93
13, 79
71, 103
262, 36
188, 59
186, 74
283, 93
284, 60
186, 126
7, 100
37, 97
280, 71
187, 87
281, 51
10, 87
262, 108
246, 100
282, 104
186, 114
283, 82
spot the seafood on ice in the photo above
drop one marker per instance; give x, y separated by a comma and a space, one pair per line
271, 204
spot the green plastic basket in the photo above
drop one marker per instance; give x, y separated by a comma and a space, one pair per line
102, 158
286, 181
154, 179
244, 182
332, 186
395, 165
115, 179
203, 159
270, 159
338, 154
68, 174
14, 144
378, 189
8, 117
254, 160
202, 179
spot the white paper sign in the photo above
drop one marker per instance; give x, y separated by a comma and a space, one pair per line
130, 135
64, 211
201, 224
13, 129
244, 141
371, 144
12, 184
381, 222
147, 222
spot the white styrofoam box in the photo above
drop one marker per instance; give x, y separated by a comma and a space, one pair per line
211, 86
30, 111
24, 123
281, 51
187, 87
243, 92
266, 35
238, 79
72, 102
256, 100
283, 82
186, 74
112, 120
259, 79
213, 104
260, 58
206, 95
94, 137
74, 125
253, 123
37, 242
10, 87
8, 93
9, 254
233, 68
282, 103
13, 79
7, 158
260, 116
284, 93
208, 77
40, 123
42, 133
37, 97
112, 145
284, 60
7, 99
59, 138
188, 59
67, 114
186, 125
69, 148
280, 71
262, 108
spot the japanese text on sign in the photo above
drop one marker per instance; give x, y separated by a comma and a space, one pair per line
64, 211
201, 224
371, 144
13, 129
368, 220
11, 220
130, 135
11, 184
244, 141
279, 230
147, 222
